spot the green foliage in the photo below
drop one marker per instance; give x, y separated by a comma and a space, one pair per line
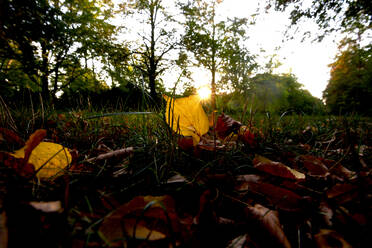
216, 45
276, 94
331, 15
51, 40
155, 42
350, 87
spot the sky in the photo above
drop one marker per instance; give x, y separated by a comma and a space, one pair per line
307, 60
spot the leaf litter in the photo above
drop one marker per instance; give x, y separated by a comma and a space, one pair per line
239, 191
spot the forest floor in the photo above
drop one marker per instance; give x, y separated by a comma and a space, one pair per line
292, 181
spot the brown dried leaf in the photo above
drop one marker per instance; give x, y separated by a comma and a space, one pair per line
337, 169
142, 217
19, 165
314, 165
33, 142
269, 222
344, 192
326, 212
11, 137
276, 168
329, 238
277, 196
47, 207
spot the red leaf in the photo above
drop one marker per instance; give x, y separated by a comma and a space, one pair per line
11, 137
19, 165
226, 125
246, 136
185, 143
33, 142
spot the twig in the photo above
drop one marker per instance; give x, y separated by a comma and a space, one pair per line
111, 154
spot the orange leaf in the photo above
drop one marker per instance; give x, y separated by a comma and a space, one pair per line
33, 142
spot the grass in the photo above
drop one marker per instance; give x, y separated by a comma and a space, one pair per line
90, 191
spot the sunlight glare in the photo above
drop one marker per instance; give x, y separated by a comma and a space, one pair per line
204, 92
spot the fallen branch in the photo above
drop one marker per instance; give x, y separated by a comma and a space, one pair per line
112, 154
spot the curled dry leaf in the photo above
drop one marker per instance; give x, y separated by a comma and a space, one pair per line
276, 168
48, 207
268, 221
329, 238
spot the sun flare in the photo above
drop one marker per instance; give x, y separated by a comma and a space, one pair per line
204, 92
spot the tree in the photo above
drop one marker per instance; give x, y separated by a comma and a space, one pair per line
214, 44
281, 93
48, 38
350, 86
331, 15
155, 42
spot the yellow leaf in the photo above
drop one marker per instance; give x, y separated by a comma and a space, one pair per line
54, 155
186, 116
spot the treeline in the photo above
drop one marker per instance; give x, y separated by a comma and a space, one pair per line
65, 54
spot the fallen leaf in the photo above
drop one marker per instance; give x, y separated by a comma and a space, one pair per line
238, 242
144, 217
11, 137
177, 179
268, 221
186, 116
327, 213
186, 143
247, 136
344, 192
48, 158
47, 207
337, 169
226, 125
23, 169
3, 230
329, 238
314, 165
279, 197
276, 168
32, 142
